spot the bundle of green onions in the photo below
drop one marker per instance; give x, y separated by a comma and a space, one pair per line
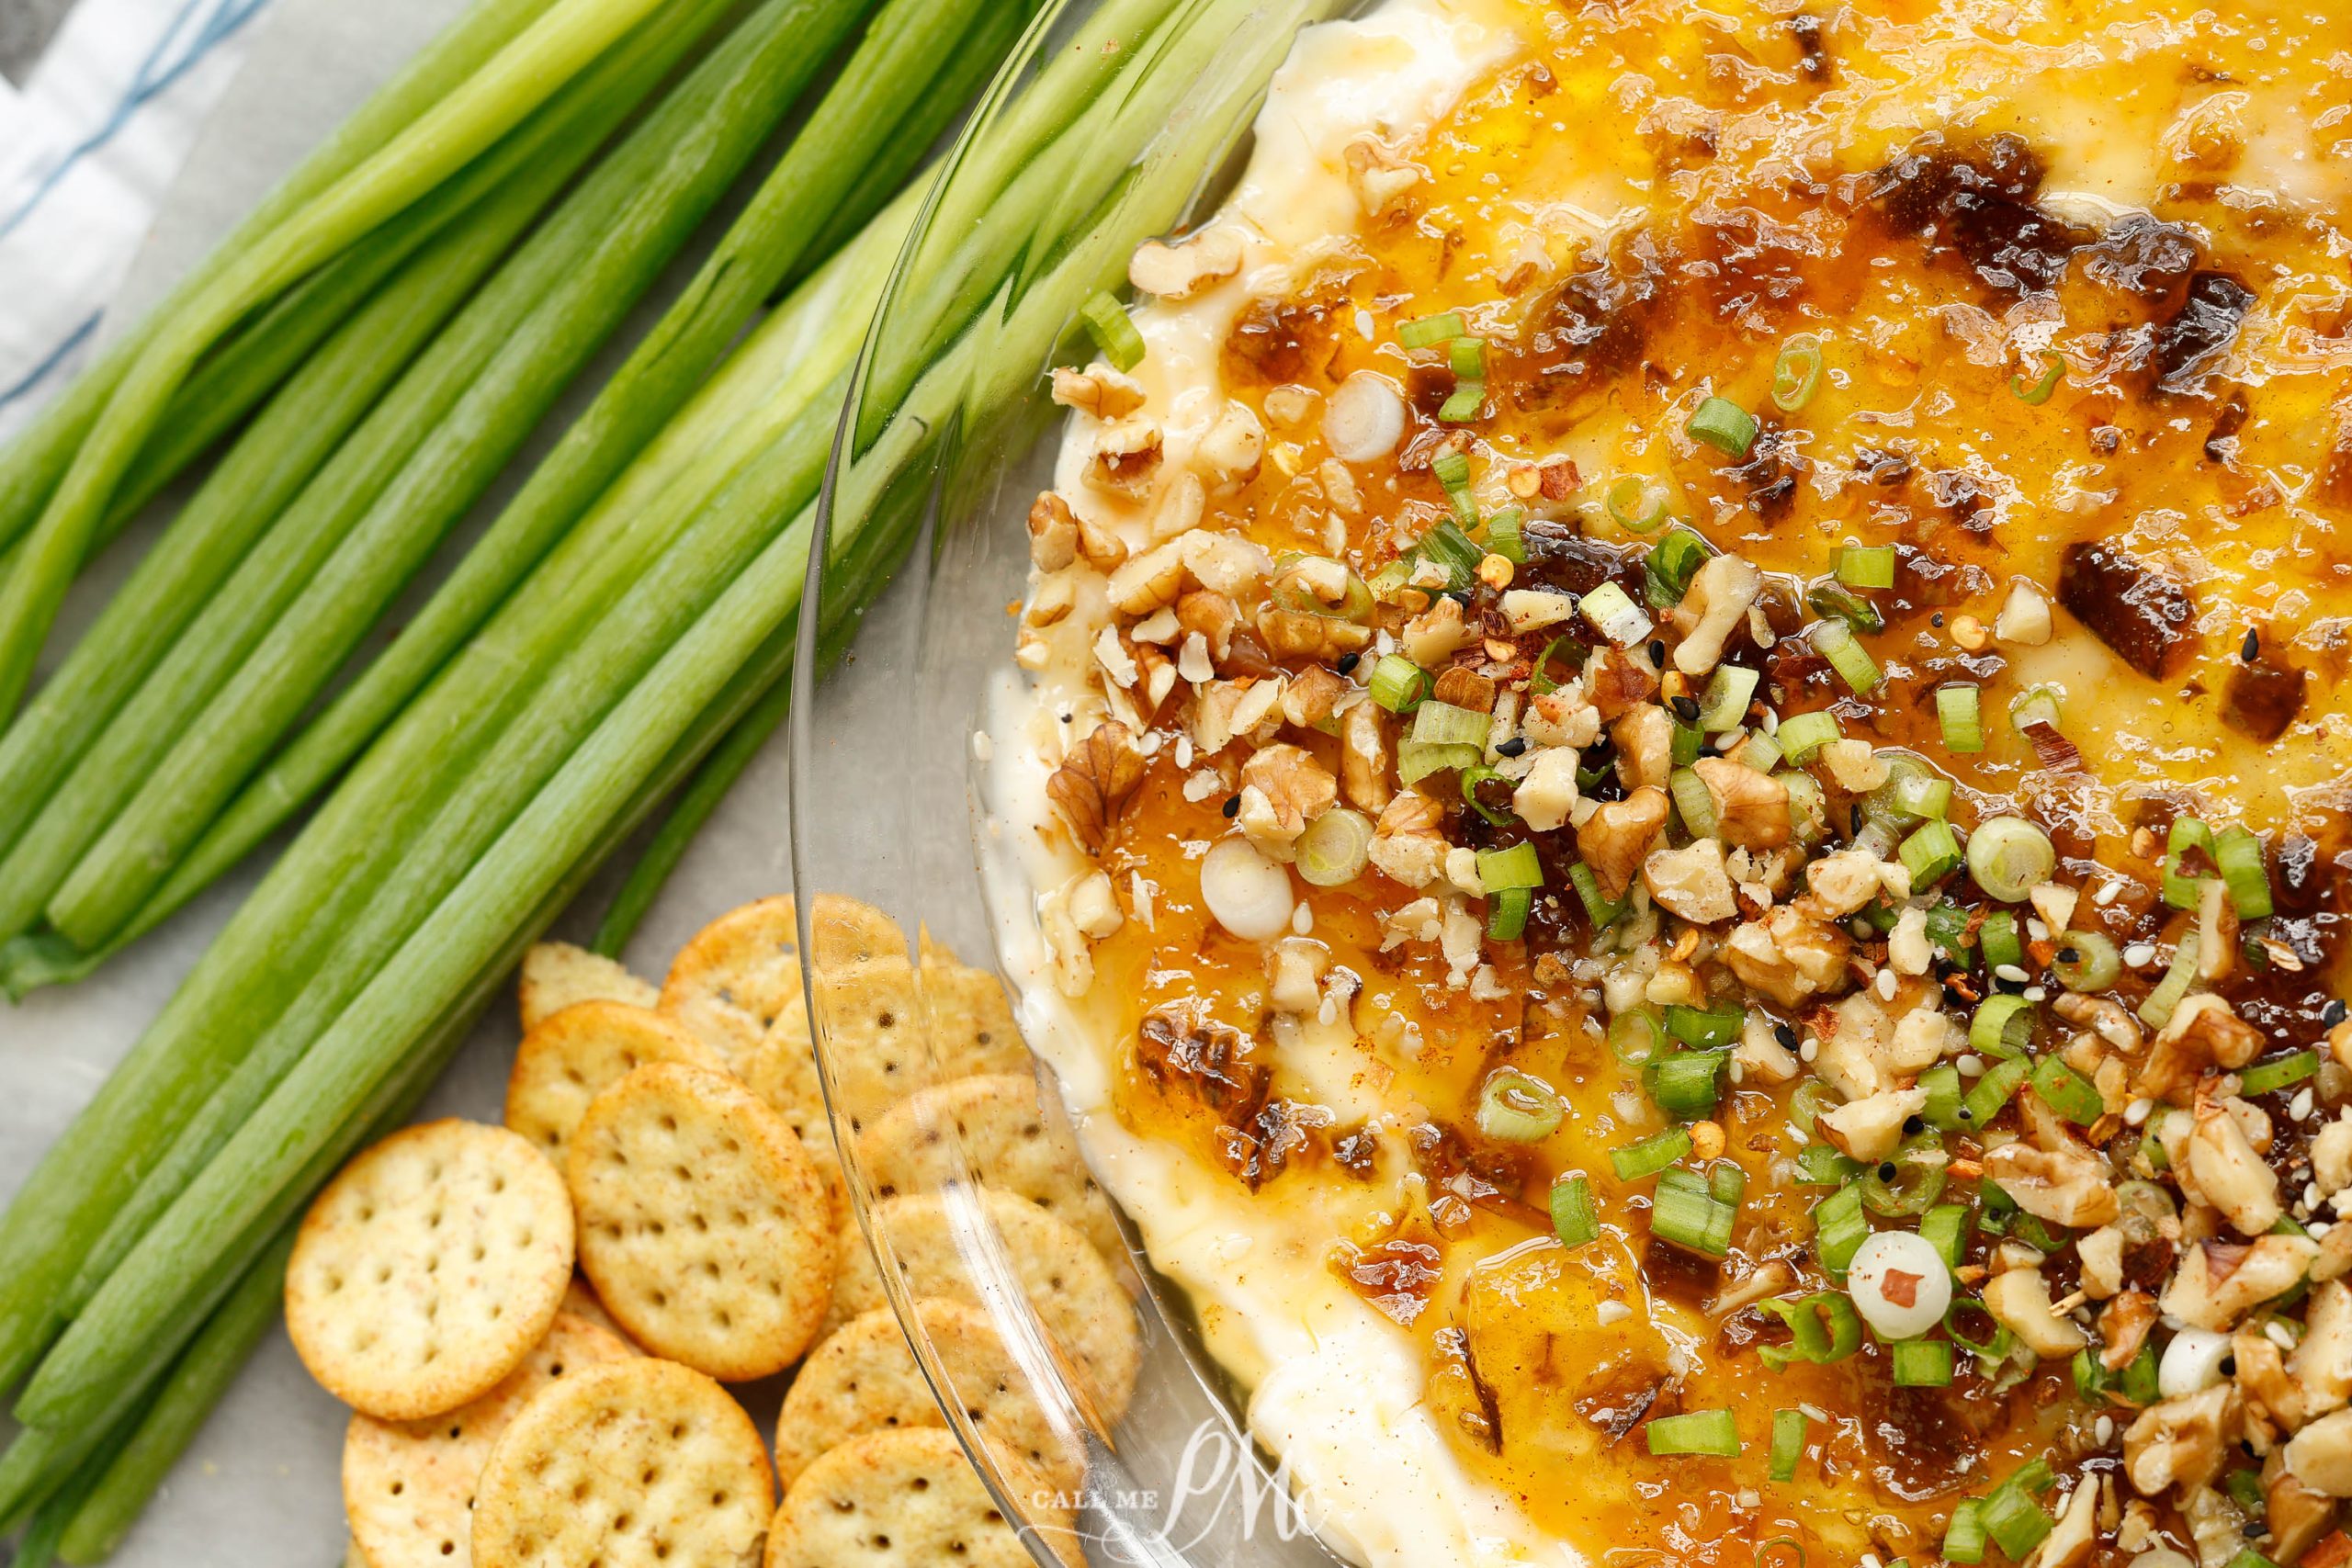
628, 615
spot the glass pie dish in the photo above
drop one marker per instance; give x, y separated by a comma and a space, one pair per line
1102, 1426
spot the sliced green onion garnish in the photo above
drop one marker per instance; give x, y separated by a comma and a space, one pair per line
2010, 857
1726, 1183
1724, 706
1355, 599
1960, 714
1335, 847
1540, 678
1451, 548
2053, 370
2087, 961
1514, 1108
1947, 929
1691, 799
2156, 1011
1820, 1165
1945, 1228
1998, 938
1574, 1220
1942, 1083
2067, 1092
2239, 855
1467, 357
2263, 1077
1428, 331
2016, 1523
2037, 705
1602, 912
2188, 860
1503, 535
1696, 1432
1836, 641
2248, 1557
1685, 1212
1416, 761
1998, 1339
1832, 599
1615, 616
1788, 1443
1451, 469
1507, 913
1650, 1155
1684, 1084
1964, 1535
1797, 373
2002, 1025
1760, 751
1921, 1363
1635, 1037
1688, 743
1471, 779
1909, 1182
1723, 425
1839, 1229
1930, 853
1866, 566
1705, 1028
1113, 331
1514, 867
1823, 1326
1442, 724
1994, 1089
1801, 735
1462, 404
1397, 682
1636, 506
2138, 1381
1672, 562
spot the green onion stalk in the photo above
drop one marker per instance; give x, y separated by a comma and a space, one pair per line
509, 353
897, 64
562, 818
32, 466
246, 543
509, 85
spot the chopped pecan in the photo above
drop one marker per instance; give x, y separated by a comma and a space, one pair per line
2067, 1187
1144, 582
1751, 809
2218, 1282
1098, 389
1645, 739
2227, 1172
1619, 679
1465, 688
1213, 615
1297, 634
2181, 1442
1363, 756
2202, 1032
1789, 956
1095, 781
1298, 788
1715, 606
1126, 457
1407, 846
1053, 533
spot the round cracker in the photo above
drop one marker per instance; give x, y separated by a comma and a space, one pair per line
1003, 1136
901, 1500
1065, 1280
579, 1300
428, 1269
408, 1486
557, 974
639, 1463
782, 1072
575, 1054
732, 981
863, 1379
874, 1021
704, 1227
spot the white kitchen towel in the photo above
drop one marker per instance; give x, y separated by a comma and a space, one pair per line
88, 149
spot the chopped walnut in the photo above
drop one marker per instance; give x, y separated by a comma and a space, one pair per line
2203, 1033
1842, 882
1789, 956
1614, 840
1053, 533
1126, 457
1095, 781
1464, 689
1229, 451
2019, 1299
1382, 179
1181, 270
1363, 756
1562, 718
1312, 697
1099, 390
1408, 847
1619, 679
1717, 603
2102, 1017
1099, 548
2321, 1455
1870, 1129
1751, 809
2228, 1173
1645, 739
1143, 583
1548, 792
1225, 562
2181, 1442
1433, 638
1298, 788
2069, 1545
2298, 1515
1691, 882
2322, 1364
1212, 616
2218, 1282
2067, 1186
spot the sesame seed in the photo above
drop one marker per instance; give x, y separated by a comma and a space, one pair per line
1886, 984
2302, 1106
2037, 993
1514, 747
1809, 1050
1970, 1065
2140, 954
2108, 892
2137, 1112
2334, 1013
2277, 1335
2012, 974
1786, 1034
1348, 662
2104, 1430
2252, 649
1232, 809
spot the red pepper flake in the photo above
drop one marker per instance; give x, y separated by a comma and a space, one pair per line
1900, 1288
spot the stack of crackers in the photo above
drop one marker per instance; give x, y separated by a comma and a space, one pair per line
671, 1144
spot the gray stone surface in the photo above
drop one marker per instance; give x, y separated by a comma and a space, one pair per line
26, 27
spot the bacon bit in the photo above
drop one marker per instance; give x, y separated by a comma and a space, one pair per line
1966, 1170
2054, 749
1396, 1276
1559, 479
2331, 1551
1901, 1288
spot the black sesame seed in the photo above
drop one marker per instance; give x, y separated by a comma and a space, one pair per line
2334, 1013
1514, 747
2069, 955
1460, 596
1686, 708
1786, 1034
1937, 619
2252, 648
1348, 662
1854, 820
1658, 651
1233, 806
1965, 1114
1886, 1171
1914, 1125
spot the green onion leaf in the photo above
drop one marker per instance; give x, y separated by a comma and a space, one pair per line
1724, 706
2239, 855
1909, 1182
1452, 549
1499, 870
1996, 1340
1603, 912
1922, 1363
1704, 1029
2008, 857
1615, 616
2188, 860
1788, 1443
1945, 1228
1693, 799
1515, 1107
1839, 1229
2263, 1077
2016, 1523
1442, 724
2067, 1092
2053, 370
2157, 1010
1685, 1210
1397, 682
2087, 961
1797, 373
1824, 1329
1428, 331
1463, 404
1866, 566
1651, 1154
1573, 1217
1999, 940
1964, 1534
1802, 735
1820, 1165
1684, 1084
1930, 853
1960, 714
1636, 506
1471, 779
1503, 535
1696, 1432
1416, 761
1836, 641
1993, 1091
1507, 913
1672, 562
2002, 1025
1724, 425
